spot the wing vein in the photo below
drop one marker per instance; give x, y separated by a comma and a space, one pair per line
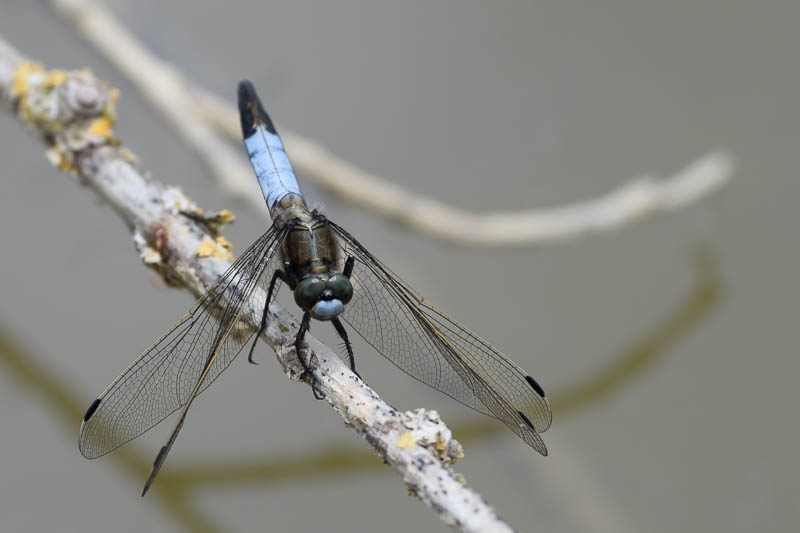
427, 344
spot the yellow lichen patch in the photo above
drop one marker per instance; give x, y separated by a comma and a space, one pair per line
150, 256
225, 243
441, 445
128, 156
209, 248
225, 254
407, 440
226, 216
206, 248
101, 127
460, 479
212, 219
54, 77
110, 106
21, 75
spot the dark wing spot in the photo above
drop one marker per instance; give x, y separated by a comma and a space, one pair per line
533, 383
92, 408
526, 419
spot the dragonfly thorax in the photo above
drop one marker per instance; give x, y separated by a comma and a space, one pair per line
310, 254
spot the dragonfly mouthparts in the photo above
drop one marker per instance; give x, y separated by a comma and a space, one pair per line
327, 309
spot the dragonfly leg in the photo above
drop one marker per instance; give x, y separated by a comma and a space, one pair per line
337, 324
298, 342
279, 274
348, 265
289, 277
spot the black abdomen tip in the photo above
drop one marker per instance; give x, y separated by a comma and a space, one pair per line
251, 112
90, 411
535, 385
247, 93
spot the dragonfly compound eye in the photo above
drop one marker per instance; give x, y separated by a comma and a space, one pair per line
341, 287
308, 291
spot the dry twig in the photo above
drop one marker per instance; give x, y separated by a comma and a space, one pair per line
73, 113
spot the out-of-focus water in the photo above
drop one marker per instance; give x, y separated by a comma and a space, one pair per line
680, 331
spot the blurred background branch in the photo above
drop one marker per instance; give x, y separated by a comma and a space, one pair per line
177, 484
183, 102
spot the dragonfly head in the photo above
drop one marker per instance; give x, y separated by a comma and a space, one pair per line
324, 297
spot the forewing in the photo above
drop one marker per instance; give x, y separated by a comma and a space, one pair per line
208, 337
434, 348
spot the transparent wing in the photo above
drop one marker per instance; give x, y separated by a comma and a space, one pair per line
432, 347
187, 358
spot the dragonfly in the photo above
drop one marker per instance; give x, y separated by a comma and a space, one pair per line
335, 279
